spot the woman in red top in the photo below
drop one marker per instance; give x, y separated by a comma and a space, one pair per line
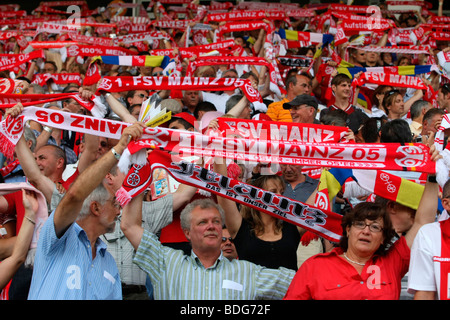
367, 264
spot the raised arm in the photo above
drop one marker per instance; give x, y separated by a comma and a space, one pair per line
233, 218
427, 210
9, 266
131, 223
69, 207
182, 196
119, 108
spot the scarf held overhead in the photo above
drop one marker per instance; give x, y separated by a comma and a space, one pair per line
388, 156
117, 84
324, 223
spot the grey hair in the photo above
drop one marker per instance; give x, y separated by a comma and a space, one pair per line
28, 134
185, 215
99, 194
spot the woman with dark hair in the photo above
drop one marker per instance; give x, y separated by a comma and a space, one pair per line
259, 237
368, 264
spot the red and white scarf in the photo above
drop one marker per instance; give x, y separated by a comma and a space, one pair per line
280, 131
324, 223
390, 156
92, 51
58, 78
118, 84
12, 61
392, 79
11, 129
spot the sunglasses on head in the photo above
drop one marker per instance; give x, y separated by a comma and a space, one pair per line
391, 92
446, 86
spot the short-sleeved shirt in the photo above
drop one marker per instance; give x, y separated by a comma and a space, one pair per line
155, 215
176, 276
301, 191
64, 268
425, 269
328, 276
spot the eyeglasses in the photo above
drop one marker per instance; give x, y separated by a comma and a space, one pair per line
159, 73
373, 227
141, 95
224, 239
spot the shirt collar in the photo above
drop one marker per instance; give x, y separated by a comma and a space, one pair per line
100, 246
198, 263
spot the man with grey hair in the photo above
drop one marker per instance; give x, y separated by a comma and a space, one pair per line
72, 263
418, 109
175, 275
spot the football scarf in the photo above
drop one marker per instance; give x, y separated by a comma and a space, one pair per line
388, 156
118, 84
324, 223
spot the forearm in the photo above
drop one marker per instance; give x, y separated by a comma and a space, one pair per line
31, 170
131, 222
24, 237
425, 295
119, 109
428, 205
69, 207
42, 139
239, 107
182, 196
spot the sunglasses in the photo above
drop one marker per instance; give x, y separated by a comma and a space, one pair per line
143, 96
159, 73
391, 92
224, 239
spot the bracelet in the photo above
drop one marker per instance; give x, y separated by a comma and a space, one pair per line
48, 129
107, 95
431, 179
29, 219
116, 155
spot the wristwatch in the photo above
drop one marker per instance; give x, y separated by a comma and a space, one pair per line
116, 155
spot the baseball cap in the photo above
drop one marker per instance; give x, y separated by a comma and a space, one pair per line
185, 116
300, 100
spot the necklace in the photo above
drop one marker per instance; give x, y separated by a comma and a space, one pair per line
349, 260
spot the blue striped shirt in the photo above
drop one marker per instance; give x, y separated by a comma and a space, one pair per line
64, 268
180, 277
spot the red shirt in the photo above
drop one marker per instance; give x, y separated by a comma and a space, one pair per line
328, 276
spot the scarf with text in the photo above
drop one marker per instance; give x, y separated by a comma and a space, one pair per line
391, 79
280, 131
43, 79
13, 61
118, 84
324, 223
388, 156
11, 129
